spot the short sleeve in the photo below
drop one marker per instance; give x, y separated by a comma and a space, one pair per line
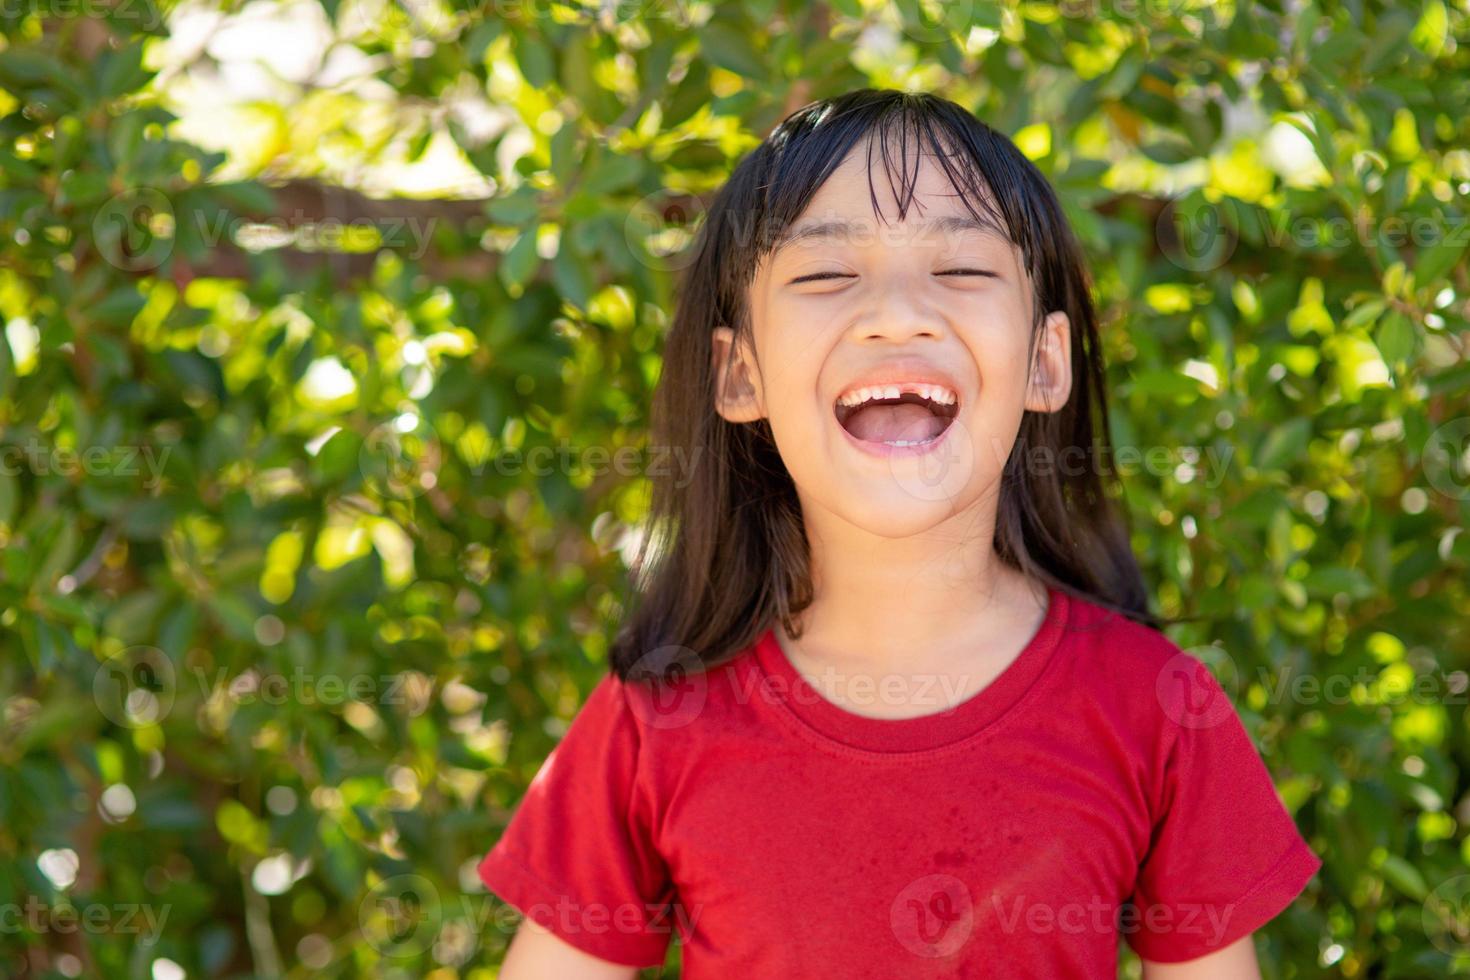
578, 856
1225, 856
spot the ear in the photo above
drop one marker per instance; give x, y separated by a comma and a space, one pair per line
737, 389
1051, 375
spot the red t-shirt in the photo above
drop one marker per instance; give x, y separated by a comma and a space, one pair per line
1101, 786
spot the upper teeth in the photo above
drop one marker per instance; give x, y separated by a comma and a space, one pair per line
938, 394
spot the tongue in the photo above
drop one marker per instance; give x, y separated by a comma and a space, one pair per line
894, 423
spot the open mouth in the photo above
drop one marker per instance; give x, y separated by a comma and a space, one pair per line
900, 415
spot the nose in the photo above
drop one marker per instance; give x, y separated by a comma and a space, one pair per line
898, 313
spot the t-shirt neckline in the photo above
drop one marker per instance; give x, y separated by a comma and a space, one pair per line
921, 733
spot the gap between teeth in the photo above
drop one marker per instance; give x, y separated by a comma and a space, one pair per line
933, 393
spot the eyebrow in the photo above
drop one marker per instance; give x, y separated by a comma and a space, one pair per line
841, 227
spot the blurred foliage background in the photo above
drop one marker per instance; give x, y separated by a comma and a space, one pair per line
329, 337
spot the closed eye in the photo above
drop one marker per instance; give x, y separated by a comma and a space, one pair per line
818, 276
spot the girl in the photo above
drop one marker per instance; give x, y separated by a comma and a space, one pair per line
891, 704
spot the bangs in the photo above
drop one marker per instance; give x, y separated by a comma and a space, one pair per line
896, 132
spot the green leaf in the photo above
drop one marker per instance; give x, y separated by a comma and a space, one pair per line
148, 519
613, 174
60, 558
9, 497
570, 275
1327, 581
1395, 338
419, 144
731, 50
123, 71
1166, 383
238, 825
1284, 444
57, 723
565, 158
1405, 877
23, 67
521, 262
689, 97
517, 209
1433, 262
534, 59
246, 197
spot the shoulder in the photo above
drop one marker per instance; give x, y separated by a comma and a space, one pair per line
1135, 673
1121, 651
689, 702
1138, 696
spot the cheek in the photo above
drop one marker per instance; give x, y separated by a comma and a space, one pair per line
790, 353
1003, 369
999, 343
792, 411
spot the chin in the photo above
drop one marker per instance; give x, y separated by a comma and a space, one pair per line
895, 514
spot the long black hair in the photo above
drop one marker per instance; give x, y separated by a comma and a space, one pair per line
725, 552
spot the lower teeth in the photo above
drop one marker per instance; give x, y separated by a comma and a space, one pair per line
906, 442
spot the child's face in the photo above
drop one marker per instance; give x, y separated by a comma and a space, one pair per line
938, 315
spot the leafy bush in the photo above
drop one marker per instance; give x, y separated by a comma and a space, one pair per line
314, 502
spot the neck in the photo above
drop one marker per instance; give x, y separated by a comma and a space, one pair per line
918, 601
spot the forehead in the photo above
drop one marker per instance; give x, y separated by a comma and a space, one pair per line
894, 198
